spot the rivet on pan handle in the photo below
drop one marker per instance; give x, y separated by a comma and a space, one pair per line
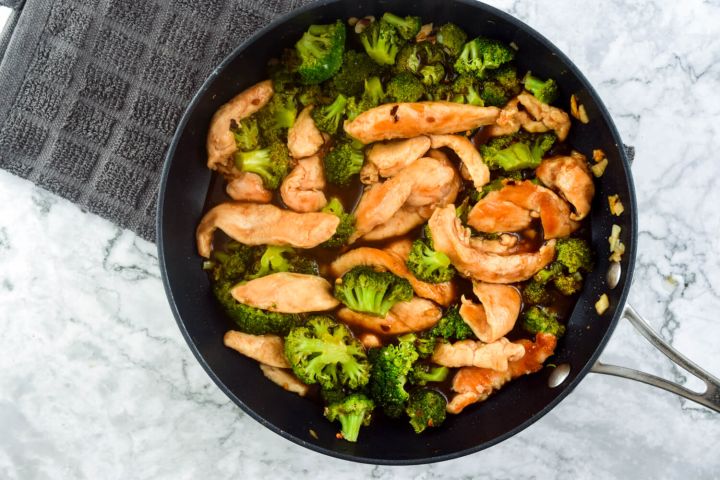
709, 398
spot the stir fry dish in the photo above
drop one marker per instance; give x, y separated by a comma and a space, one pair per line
404, 232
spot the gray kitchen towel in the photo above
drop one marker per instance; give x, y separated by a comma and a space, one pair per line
92, 90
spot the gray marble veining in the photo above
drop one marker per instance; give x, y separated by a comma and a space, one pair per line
96, 381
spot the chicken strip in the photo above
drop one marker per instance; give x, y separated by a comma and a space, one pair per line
469, 353
248, 187
285, 378
220, 140
505, 244
498, 313
404, 317
389, 158
470, 157
286, 292
451, 238
400, 247
513, 207
473, 384
266, 349
403, 221
536, 117
571, 177
304, 138
407, 120
256, 224
442, 293
302, 189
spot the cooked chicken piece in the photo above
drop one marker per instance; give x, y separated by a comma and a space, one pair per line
513, 207
442, 293
407, 120
285, 378
469, 353
470, 157
401, 223
220, 140
400, 247
302, 189
498, 313
505, 244
267, 349
450, 237
370, 340
286, 292
425, 182
391, 157
536, 117
474, 384
248, 187
256, 224
404, 317
571, 177
304, 138
369, 174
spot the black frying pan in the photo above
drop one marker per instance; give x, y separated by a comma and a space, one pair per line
186, 182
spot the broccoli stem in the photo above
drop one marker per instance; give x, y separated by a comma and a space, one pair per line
350, 425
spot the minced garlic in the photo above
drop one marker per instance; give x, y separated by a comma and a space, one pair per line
602, 304
599, 168
598, 155
577, 110
616, 206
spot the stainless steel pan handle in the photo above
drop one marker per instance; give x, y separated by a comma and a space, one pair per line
709, 398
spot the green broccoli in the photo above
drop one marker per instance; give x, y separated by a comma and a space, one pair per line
558, 274
391, 366
574, 254
452, 326
535, 293
443, 91
311, 95
405, 87
247, 135
568, 284
506, 76
232, 263
356, 68
353, 412
275, 118
381, 41
325, 352
346, 227
423, 343
517, 151
538, 319
481, 54
282, 72
426, 408
363, 289
321, 52
407, 27
282, 259
414, 56
545, 91
432, 74
329, 117
343, 162
465, 90
452, 38
422, 373
271, 163
429, 265
373, 90
492, 94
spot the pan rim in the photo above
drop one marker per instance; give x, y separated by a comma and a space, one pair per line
630, 254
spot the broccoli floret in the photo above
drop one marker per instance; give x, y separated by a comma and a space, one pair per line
247, 135
407, 27
422, 373
548, 273
481, 54
535, 293
405, 87
442, 91
282, 72
356, 68
429, 265
310, 95
538, 319
271, 163
558, 274
343, 162
574, 254
328, 117
452, 38
373, 90
424, 343
492, 94
432, 74
325, 352
381, 41
465, 90
391, 366
506, 76
352, 412
346, 227
545, 91
321, 52
568, 284
275, 118
452, 326
517, 151
362, 289
283, 259
232, 263
333, 395
426, 408
412, 57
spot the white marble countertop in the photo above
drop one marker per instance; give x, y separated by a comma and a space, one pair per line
96, 381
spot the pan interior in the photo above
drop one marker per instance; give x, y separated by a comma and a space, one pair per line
186, 182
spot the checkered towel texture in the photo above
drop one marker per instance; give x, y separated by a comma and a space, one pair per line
91, 92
